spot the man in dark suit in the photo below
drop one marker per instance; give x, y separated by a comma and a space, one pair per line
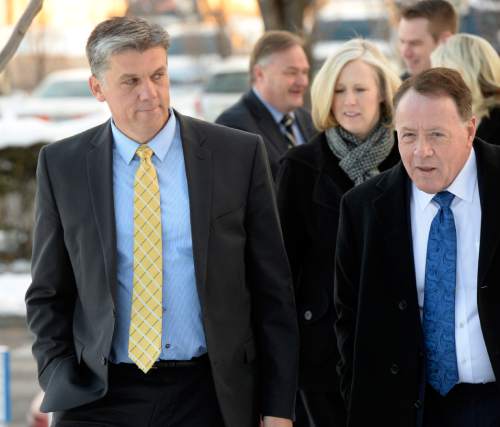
418, 270
272, 108
161, 292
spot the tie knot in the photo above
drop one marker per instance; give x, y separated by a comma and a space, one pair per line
444, 199
144, 152
287, 120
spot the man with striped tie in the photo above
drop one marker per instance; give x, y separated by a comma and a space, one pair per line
161, 292
418, 270
272, 108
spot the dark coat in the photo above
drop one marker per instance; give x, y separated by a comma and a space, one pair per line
242, 274
310, 185
251, 115
489, 128
379, 331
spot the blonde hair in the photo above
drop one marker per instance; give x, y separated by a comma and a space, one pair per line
478, 63
323, 87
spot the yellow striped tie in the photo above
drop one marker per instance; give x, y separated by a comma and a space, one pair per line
146, 317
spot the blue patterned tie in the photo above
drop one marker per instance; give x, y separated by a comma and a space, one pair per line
439, 298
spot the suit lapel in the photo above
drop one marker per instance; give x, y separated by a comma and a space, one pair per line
265, 122
392, 210
488, 176
100, 181
198, 161
304, 124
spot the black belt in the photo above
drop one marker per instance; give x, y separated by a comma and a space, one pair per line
162, 364
195, 361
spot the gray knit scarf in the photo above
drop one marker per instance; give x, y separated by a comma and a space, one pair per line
360, 159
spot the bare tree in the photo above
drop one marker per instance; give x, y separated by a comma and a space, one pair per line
284, 14
34, 6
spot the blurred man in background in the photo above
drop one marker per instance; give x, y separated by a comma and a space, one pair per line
272, 108
422, 26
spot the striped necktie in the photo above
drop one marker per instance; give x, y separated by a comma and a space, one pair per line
287, 122
146, 316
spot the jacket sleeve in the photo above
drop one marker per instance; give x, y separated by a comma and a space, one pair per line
268, 274
50, 299
345, 298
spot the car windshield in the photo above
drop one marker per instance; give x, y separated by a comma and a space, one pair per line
230, 82
64, 89
345, 30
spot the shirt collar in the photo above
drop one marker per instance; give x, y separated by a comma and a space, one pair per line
462, 187
277, 115
160, 143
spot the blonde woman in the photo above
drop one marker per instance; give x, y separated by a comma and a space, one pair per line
479, 64
352, 109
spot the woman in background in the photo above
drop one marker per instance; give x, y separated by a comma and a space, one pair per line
479, 64
352, 108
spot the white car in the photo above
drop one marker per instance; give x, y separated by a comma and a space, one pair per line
60, 106
227, 82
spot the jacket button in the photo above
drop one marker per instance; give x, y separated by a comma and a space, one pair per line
402, 305
308, 315
417, 404
394, 369
104, 360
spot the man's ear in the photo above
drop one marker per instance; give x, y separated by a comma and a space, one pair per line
471, 129
96, 88
257, 72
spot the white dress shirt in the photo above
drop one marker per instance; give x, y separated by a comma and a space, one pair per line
474, 365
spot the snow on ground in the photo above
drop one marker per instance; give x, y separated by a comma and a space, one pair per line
12, 290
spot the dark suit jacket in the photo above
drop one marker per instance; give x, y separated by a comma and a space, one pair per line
251, 115
378, 327
489, 128
242, 273
310, 185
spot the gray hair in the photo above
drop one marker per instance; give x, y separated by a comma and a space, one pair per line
118, 34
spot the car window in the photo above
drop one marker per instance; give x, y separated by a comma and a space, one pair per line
230, 82
64, 89
346, 30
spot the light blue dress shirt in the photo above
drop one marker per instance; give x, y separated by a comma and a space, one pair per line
278, 116
182, 329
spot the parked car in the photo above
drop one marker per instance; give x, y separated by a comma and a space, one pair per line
186, 75
227, 82
62, 95
60, 106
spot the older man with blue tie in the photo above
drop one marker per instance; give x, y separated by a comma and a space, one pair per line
418, 268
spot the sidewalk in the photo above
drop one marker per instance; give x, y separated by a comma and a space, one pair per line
24, 385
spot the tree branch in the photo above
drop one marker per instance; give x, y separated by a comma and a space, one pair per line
19, 32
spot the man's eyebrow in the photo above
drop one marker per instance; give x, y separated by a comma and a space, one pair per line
293, 67
160, 68
132, 75
127, 76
